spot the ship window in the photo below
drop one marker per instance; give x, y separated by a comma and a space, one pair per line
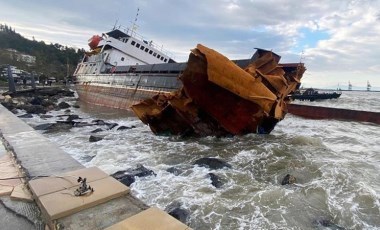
122, 58
158, 56
133, 43
162, 58
146, 49
150, 51
137, 45
165, 59
142, 48
126, 40
155, 54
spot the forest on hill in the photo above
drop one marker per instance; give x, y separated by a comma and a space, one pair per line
51, 60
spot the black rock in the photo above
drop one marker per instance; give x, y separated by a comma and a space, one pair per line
212, 163
127, 177
44, 116
72, 117
76, 106
35, 109
63, 105
95, 138
43, 126
111, 125
87, 158
97, 130
288, 179
174, 171
125, 127
215, 180
81, 124
98, 122
327, 223
36, 101
59, 127
175, 210
27, 115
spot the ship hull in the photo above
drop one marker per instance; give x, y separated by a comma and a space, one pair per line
121, 91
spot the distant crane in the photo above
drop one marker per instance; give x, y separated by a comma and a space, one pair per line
349, 86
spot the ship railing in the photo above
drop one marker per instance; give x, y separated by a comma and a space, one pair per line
152, 44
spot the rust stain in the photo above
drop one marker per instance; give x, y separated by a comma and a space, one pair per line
220, 98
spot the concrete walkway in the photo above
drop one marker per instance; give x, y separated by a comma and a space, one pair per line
38, 157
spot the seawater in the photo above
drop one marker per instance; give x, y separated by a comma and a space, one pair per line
336, 164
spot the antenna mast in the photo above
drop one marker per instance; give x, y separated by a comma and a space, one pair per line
134, 25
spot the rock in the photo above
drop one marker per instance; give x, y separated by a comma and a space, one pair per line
44, 116
72, 117
95, 138
212, 163
36, 101
35, 109
76, 106
327, 223
81, 124
9, 105
27, 115
87, 158
111, 125
47, 103
288, 179
175, 210
174, 171
98, 122
215, 180
125, 127
97, 130
43, 126
59, 127
127, 177
67, 111
7, 98
63, 105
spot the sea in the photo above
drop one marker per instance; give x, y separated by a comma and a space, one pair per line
336, 165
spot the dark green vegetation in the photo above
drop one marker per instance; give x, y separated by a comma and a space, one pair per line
52, 60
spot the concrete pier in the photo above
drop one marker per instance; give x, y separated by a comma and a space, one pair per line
51, 175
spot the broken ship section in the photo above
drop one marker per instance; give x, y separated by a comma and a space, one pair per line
220, 98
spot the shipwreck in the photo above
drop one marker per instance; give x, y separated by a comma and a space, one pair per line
219, 98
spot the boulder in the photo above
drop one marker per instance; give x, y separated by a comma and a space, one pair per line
59, 127
97, 130
175, 210
174, 171
99, 122
327, 224
43, 126
212, 163
72, 117
35, 109
215, 180
36, 101
125, 127
288, 179
95, 138
63, 105
44, 116
27, 115
127, 177
111, 125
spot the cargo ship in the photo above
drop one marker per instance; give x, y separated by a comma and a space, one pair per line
124, 71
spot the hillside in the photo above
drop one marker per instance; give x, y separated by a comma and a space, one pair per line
51, 60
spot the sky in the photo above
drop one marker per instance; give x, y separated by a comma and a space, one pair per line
338, 40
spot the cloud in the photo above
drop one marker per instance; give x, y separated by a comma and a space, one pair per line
338, 39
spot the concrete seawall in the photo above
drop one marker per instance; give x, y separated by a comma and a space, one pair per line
44, 164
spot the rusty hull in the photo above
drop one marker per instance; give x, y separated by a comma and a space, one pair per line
219, 98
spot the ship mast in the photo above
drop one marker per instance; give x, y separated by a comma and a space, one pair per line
349, 86
368, 86
134, 25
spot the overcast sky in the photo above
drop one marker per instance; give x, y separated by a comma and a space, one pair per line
337, 39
